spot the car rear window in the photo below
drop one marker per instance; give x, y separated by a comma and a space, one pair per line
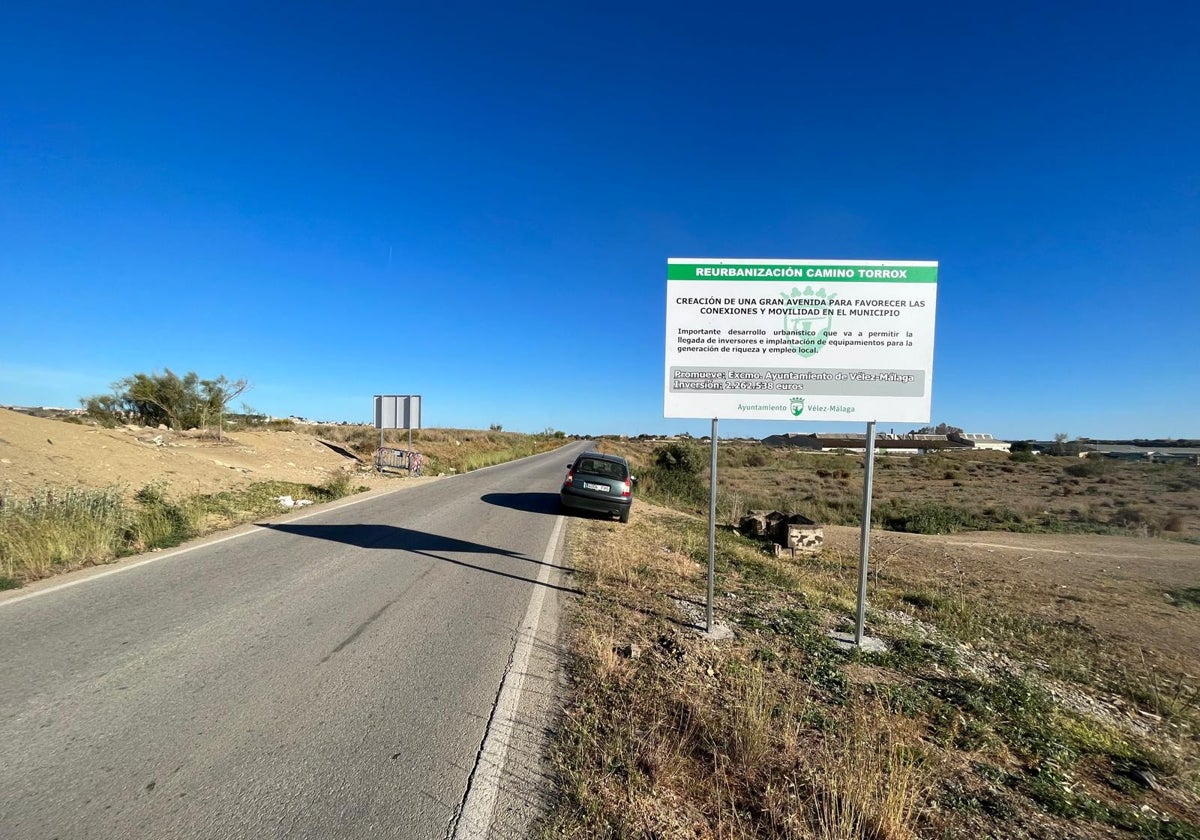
609, 469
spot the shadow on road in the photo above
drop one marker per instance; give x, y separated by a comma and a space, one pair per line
546, 503
391, 537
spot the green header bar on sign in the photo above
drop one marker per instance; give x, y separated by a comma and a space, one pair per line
896, 273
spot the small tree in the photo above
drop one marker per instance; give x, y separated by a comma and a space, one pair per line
1060, 443
166, 399
218, 393
939, 429
109, 409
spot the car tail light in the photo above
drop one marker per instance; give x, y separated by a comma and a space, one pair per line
627, 488
570, 479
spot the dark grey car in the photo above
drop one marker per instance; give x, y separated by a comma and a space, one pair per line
599, 483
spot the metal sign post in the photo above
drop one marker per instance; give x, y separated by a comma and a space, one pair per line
712, 528
865, 548
398, 411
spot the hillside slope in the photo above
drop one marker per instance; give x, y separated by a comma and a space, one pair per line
37, 453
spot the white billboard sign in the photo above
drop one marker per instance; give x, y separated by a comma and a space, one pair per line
760, 339
397, 412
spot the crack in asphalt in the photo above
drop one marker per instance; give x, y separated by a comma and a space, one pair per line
452, 827
358, 631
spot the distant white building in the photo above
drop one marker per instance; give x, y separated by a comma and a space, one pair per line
985, 442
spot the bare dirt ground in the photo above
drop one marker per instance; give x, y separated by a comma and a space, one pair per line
1118, 586
37, 454
1127, 589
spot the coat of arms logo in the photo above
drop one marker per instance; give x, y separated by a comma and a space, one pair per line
808, 320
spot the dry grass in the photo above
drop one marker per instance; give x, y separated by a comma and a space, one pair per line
43, 534
673, 735
61, 530
776, 734
867, 779
953, 490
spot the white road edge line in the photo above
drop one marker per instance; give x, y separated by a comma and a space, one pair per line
479, 805
169, 554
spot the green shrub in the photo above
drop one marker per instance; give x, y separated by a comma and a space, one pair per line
1087, 468
338, 485
674, 487
757, 459
1189, 596
927, 518
679, 457
159, 522
1131, 516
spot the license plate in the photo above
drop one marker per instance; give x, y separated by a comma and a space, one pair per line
603, 488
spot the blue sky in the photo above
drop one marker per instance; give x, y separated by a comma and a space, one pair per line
339, 200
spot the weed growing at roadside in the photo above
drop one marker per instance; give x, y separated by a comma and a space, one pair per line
159, 522
59, 529
338, 485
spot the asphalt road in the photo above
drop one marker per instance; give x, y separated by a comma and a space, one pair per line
347, 673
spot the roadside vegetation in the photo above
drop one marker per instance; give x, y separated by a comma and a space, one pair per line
64, 529
987, 717
178, 402
937, 493
60, 529
446, 451
192, 402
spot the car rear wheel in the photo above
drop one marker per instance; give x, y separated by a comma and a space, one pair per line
625, 515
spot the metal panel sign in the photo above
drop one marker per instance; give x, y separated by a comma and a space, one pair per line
756, 339
397, 412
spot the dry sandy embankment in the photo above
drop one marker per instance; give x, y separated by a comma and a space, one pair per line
37, 454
